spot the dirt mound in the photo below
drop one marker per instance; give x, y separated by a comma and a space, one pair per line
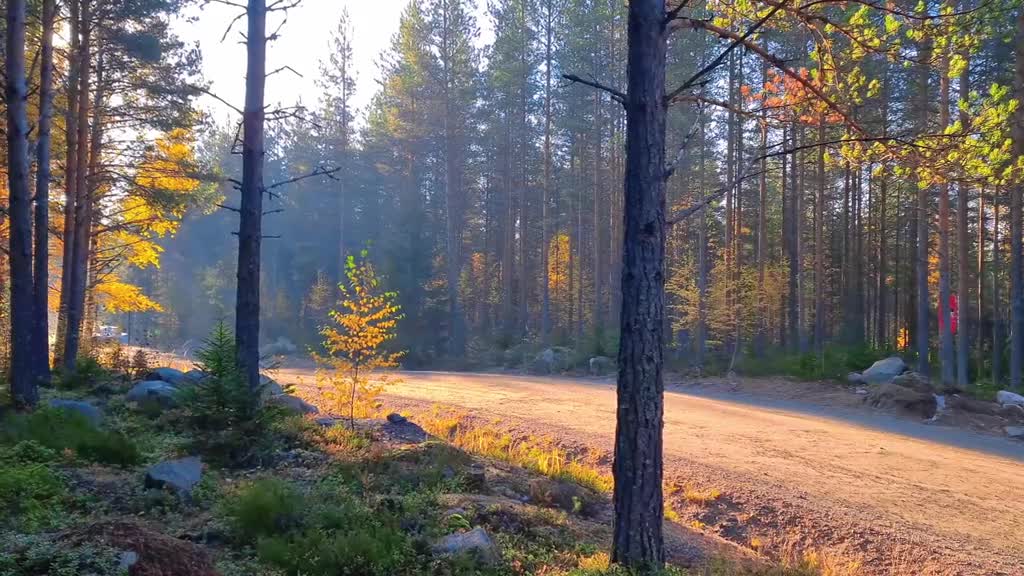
155, 554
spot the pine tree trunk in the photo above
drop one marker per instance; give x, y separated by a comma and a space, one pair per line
1016, 193
997, 336
247, 302
41, 273
545, 321
83, 202
962, 241
922, 217
637, 540
819, 245
70, 178
24, 391
947, 358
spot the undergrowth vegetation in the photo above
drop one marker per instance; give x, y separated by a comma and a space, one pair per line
538, 455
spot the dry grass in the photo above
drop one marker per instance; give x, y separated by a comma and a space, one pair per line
536, 454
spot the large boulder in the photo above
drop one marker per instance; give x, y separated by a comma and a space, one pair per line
153, 394
178, 476
1007, 398
280, 347
293, 404
270, 386
550, 361
172, 376
86, 410
601, 365
893, 397
884, 370
476, 543
915, 381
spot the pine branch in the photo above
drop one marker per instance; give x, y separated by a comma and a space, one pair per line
616, 95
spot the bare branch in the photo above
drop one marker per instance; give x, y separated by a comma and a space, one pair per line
682, 147
711, 66
318, 171
616, 95
684, 214
226, 207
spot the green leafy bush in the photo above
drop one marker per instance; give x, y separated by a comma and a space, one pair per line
327, 530
87, 373
228, 422
31, 495
33, 554
60, 430
834, 363
263, 508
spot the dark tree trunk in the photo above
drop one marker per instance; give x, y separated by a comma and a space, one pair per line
70, 179
796, 334
24, 391
997, 336
637, 540
819, 245
41, 280
83, 203
250, 234
922, 217
1016, 193
545, 318
946, 354
962, 241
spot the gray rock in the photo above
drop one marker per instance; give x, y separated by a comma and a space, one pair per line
127, 559
270, 386
476, 543
293, 404
396, 418
196, 375
893, 397
1007, 398
88, 411
1015, 431
550, 361
153, 394
179, 476
475, 477
280, 347
172, 376
883, 371
328, 421
601, 365
855, 378
915, 381
861, 392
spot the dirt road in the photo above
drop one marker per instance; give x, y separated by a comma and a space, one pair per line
907, 497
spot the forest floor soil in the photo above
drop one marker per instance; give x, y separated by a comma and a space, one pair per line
792, 466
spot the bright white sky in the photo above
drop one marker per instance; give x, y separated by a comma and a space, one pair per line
303, 44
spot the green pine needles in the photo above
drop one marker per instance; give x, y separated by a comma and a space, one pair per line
226, 416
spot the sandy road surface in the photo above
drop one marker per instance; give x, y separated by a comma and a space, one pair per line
905, 495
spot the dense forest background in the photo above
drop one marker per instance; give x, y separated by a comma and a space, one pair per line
832, 211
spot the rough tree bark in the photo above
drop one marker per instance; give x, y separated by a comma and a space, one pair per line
962, 248
24, 391
922, 302
83, 207
41, 273
946, 354
250, 229
637, 539
1016, 193
70, 177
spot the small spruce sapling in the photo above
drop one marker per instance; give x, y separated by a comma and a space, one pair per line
355, 342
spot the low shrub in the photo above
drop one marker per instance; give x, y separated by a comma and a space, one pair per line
87, 373
60, 430
228, 423
31, 495
263, 508
326, 530
29, 555
834, 363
